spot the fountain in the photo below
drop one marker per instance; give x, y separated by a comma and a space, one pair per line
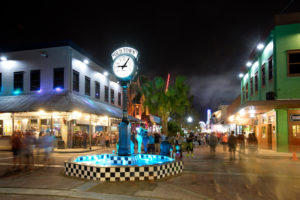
123, 166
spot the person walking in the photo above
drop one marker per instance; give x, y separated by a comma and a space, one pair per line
232, 145
16, 144
157, 139
224, 142
28, 147
241, 141
213, 141
190, 145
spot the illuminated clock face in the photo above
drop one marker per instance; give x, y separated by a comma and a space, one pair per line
123, 66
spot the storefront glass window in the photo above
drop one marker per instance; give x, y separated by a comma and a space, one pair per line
296, 130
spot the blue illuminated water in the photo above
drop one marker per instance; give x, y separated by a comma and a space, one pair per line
134, 160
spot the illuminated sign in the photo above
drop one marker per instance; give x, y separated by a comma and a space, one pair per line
125, 50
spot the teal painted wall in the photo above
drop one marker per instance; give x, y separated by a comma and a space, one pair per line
287, 37
282, 130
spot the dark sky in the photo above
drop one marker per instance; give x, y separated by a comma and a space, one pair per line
208, 41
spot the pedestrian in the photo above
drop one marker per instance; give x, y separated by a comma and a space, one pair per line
16, 143
213, 141
232, 145
28, 147
178, 142
47, 143
252, 143
107, 140
157, 139
84, 139
165, 147
199, 139
140, 137
151, 146
225, 142
241, 141
190, 145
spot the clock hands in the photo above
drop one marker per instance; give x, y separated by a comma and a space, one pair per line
123, 66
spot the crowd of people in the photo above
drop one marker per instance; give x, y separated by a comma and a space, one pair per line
24, 143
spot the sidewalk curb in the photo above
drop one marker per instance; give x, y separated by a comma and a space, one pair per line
67, 193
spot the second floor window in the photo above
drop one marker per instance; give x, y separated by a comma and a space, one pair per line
106, 94
76, 81
35, 80
251, 85
58, 78
270, 68
119, 98
256, 81
97, 90
263, 76
18, 81
294, 63
112, 96
87, 86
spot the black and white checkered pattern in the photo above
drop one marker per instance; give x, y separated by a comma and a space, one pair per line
123, 173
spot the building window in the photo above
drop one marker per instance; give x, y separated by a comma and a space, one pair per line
97, 90
112, 96
119, 98
58, 79
243, 90
294, 63
263, 76
251, 85
18, 81
106, 94
270, 68
35, 80
256, 81
87, 86
247, 91
76, 81
296, 130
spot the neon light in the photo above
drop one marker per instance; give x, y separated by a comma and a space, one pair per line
58, 89
168, 80
17, 92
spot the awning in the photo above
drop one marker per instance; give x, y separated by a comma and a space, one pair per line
154, 119
64, 102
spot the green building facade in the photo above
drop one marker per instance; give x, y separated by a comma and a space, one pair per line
271, 84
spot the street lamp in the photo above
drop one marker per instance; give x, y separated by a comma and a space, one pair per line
189, 119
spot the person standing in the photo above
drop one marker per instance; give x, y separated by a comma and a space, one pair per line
241, 141
151, 146
178, 142
107, 140
157, 139
213, 141
232, 145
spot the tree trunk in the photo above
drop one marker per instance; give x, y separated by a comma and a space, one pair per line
164, 119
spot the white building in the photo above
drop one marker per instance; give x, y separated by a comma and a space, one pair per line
57, 88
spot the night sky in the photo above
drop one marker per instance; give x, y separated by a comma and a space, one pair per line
208, 42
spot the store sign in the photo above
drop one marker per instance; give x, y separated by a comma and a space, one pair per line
295, 117
125, 50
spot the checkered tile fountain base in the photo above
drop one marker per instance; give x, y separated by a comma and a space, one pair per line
123, 173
